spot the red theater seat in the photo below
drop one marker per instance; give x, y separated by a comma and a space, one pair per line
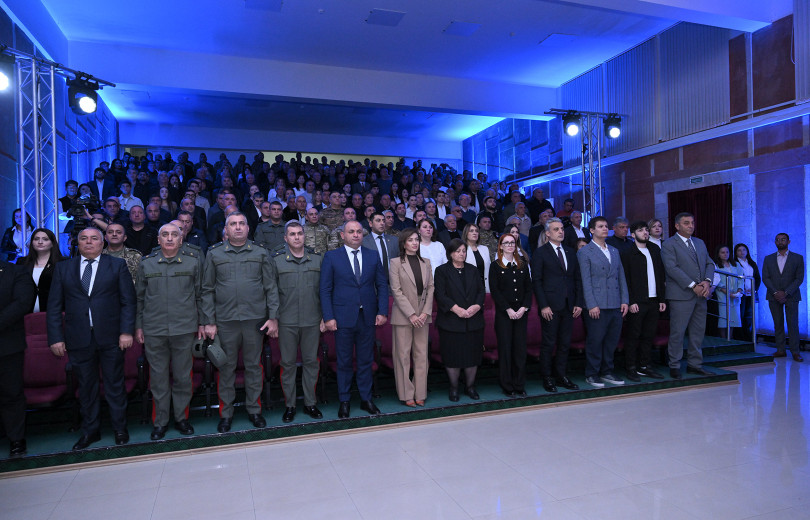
45, 377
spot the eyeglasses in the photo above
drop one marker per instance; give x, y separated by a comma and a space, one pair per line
505, 244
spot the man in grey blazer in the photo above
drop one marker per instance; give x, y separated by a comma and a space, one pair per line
386, 246
606, 299
690, 271
782, 274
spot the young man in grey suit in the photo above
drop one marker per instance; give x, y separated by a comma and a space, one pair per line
387, 246
690, 271
606, 299
782, 274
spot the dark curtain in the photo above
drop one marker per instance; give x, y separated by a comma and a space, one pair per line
711, 207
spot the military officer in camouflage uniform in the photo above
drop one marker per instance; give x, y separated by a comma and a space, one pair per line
115, 235
270, 234
168, 319
486, 236
297, 317
332, 217
317, 235
238, 290
336, 236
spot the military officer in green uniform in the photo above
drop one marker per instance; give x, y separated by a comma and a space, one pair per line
168, 319
332, 217
316, 234
238, 291
297, 316
270, 234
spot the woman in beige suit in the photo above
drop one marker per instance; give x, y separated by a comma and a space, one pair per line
411, 282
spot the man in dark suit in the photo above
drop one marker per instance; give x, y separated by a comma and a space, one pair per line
644, 272
690, 272
558, 289
101, 186
783, 274
17, 295
387, 246
96, 293
354, 299
575, 231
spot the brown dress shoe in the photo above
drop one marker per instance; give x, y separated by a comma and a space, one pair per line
780, 354
798, 358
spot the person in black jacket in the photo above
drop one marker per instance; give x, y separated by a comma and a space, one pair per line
40, 261
644, 272
459, 293
560, 300
17, 294
510, 285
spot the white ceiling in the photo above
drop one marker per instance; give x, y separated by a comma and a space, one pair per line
536, 43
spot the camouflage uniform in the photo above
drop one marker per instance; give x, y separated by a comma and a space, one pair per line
317, 237
489, 239
335, 240
131, 256
332, 218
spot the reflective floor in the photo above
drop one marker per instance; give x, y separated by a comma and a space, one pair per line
738, 451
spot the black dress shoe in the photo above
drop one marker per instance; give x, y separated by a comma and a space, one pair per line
521, 393
343, 411
158, 432
631, 375
313, 412
453, 395
548, 385
567, 383
370, 407
86, 440
675, 373
257, 420
289, 414
184, 427
121, 437
224, 424
698, 370
17, 448
471, 393
798, 357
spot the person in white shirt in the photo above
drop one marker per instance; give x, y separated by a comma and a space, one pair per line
429, 247
743, 258
656, 228
126, 199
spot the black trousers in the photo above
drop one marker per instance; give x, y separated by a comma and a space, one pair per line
12, 398
785, 312
86, 362
747, 314
556, 332
511, 336
641, 329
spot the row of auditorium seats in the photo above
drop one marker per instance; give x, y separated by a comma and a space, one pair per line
49, 383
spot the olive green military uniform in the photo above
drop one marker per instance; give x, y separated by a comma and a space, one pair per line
317, 237
131, 256
332, 218
489, 239
298, 311
169, 312
238, 290
269, 235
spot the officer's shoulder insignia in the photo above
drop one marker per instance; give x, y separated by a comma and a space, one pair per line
276, 252
215, 246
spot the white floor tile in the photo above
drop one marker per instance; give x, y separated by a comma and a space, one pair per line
33, 511
206, 497
117, 478
136, 504
24, 491
545, 511
572, 477
422, 500
293, 483
341, 508
220, 465
625, 503
379, 471
484, 494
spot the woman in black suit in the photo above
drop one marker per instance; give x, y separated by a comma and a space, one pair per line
40, 261
742, 258
460, 298
12, 242
511, 288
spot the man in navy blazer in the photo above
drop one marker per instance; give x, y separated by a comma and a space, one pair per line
558, 289
96, 294
783, 274
354, 299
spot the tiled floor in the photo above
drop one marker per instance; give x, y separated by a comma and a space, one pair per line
722, 453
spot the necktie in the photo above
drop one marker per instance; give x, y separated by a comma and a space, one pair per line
560, 257
691, 248
357, 273
87, 275
384, 253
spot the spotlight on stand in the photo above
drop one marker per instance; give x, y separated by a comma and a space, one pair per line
571, 123
613, 126
82, 96
6, 71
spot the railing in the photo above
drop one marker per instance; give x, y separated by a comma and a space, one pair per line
736, 276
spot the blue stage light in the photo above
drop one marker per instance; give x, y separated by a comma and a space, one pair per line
571, 123
613, 126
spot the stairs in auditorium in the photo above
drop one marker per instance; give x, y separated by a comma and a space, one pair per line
721, 352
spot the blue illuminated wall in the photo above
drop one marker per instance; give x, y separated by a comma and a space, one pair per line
82, 142
514, 149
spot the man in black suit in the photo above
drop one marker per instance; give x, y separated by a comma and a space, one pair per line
558, 289
95, 292
17, 295
783, 274
576, 231
102, 187
644, 272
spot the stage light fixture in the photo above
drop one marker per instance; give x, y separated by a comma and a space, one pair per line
571, 123
6, 71
613, 126
82, 96
4, 80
